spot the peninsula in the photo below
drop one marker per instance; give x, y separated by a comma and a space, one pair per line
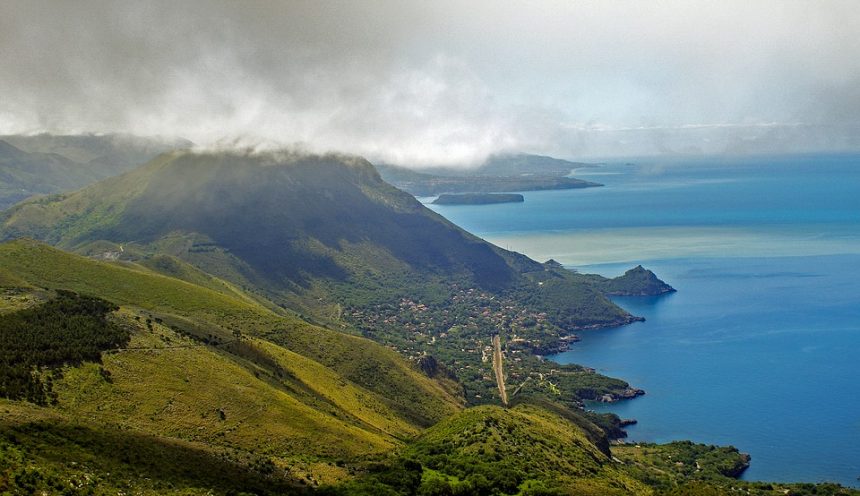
478, 199
430, 184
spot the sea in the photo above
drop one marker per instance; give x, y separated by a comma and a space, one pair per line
760, 346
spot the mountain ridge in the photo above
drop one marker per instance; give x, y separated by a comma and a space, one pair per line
326, 237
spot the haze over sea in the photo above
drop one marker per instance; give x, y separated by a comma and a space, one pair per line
760, 346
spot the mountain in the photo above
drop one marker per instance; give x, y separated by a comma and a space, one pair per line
285, 222
44, 164
325, 236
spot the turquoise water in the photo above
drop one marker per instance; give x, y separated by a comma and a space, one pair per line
760, 346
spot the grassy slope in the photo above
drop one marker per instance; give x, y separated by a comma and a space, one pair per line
525, 442
170, 414
41, 265
234, 406
542, 450
174, 267
44, 452
183, 389
203, 312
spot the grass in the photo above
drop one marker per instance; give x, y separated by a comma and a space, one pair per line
293, 389
188, 391
524, 443
370, 408
204, 311
44, 266
45, 453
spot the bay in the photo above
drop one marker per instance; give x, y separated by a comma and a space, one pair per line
760, 346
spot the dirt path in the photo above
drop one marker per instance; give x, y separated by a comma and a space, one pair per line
499, 369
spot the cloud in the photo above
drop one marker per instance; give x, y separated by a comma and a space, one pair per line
430, 82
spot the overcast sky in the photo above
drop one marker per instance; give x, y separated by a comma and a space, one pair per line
436, 81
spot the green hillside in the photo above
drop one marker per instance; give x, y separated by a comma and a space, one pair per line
153, 385
208, 316
531, 450
326, 237
517, 447
191, 371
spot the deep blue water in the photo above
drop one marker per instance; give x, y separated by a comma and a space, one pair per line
760, 346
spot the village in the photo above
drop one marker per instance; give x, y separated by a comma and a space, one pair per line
459, 333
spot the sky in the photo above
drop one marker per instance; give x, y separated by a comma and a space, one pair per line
440, 82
